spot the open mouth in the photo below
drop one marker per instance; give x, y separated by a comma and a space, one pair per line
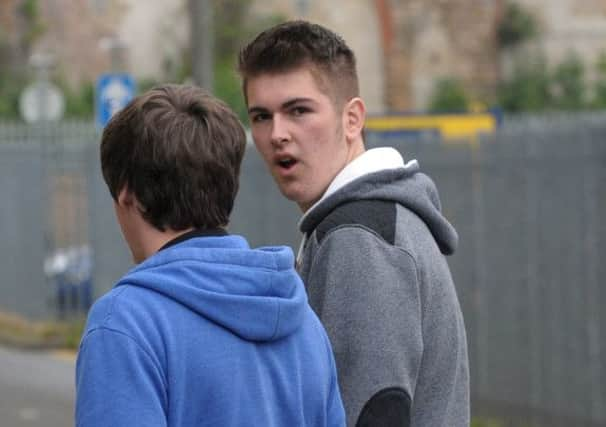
286, 163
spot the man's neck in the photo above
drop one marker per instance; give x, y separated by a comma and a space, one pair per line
152, 240
197, 232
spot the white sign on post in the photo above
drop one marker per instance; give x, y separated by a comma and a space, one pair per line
41, 101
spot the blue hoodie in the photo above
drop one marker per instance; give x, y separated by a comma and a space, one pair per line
207, 332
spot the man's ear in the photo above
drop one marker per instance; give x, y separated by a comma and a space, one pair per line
125, 198
354, 116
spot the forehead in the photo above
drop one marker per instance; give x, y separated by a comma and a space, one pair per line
277, 87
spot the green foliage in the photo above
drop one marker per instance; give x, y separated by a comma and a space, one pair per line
146, 84
527, 90
599, 100
29, 9
485, 422
72, 334
13, 77
448, 96
228, 87
534, 86
568, 85
233, 29
4, 49
516, 26
230, 26
11, 85
79, 101
34, 27
16, 331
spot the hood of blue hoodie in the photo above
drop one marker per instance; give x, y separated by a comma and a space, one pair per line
407, 186
254, 293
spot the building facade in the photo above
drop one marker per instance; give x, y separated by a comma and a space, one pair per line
569, 27
403, 46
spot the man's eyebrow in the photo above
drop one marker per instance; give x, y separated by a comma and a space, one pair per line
294, 101
255, 109
286, 105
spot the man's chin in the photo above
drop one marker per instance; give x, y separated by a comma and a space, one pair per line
292, 195
301, 201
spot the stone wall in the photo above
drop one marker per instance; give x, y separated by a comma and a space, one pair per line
570, 26
8, 30
403, 46
73, 33
156, 33
13, 48
434, 39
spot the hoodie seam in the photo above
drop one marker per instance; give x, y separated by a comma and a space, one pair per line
106, 319
374, 233
110, 310
279, 307
381, 239
137, 344
378, 236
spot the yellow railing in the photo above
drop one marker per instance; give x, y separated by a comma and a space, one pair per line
448, 126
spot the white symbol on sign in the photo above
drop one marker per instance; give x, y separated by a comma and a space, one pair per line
115, 96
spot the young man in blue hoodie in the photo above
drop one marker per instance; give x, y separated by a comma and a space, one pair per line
372, 256
204, 331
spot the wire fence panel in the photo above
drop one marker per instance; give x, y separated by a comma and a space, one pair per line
528, 203
44, 218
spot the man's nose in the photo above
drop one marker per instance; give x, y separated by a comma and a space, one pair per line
279, 131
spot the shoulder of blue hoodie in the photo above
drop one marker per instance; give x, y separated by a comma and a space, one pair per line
200, 329
374, 268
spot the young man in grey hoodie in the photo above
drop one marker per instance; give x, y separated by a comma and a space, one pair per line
372, 256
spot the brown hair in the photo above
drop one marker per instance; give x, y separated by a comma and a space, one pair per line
294, 44
178, 150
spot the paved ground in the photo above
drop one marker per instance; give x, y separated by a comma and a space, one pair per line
36, 389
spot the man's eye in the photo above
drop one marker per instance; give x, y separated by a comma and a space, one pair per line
259, 118
298, 111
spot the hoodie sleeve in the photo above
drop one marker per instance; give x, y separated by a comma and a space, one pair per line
368, 301
117, 383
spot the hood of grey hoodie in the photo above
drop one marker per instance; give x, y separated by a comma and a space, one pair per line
407, 186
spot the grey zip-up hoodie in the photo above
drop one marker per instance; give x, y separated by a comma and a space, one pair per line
374, 268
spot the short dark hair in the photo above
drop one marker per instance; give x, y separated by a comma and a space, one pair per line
178, 150
293, 44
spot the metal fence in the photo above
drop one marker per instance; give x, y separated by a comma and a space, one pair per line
44, 218
528, 204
